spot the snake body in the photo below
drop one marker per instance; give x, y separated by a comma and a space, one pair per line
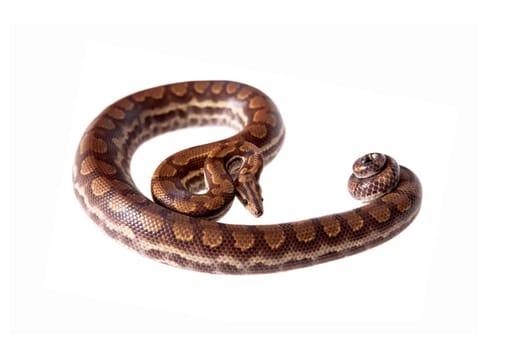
171, 229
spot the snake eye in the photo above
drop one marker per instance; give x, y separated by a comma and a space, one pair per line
244, 202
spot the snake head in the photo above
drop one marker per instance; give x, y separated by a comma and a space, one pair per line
245, 167
249, 192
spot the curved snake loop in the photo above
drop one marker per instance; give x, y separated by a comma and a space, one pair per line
184, 236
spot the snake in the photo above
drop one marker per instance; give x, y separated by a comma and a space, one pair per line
192, 188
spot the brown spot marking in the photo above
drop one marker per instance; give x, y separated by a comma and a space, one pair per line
182, 227
212, 203
221, 152
179, 89
183, 233
100, 186
162, 186
380, 212
126, 104
355, 221
243, 240
227, 186
262, 116
247, 147
185, 206
211, 237
122, 185
224, 186
244, 93
200, 86
330, 226
402, 202
166, 170
257, 102
89, 142
215, 171
116, 113
216, 88
258, 131
90, 164
151, 222
99, 146
274, 238
304, 231
156, 93
106, 123
179, 161
243, 179
232, 88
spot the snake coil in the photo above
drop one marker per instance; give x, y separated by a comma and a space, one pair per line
198, 184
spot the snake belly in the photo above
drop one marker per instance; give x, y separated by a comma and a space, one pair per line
105, 188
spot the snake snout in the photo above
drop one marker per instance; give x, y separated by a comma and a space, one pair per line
249, 192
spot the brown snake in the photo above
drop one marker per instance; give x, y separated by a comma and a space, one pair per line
223, 169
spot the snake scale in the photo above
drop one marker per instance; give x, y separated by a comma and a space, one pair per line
198, 184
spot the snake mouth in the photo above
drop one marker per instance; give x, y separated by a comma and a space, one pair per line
254, 206
256, 211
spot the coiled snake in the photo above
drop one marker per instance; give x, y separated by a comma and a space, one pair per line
200, 183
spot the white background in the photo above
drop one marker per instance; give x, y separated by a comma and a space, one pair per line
411, 90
